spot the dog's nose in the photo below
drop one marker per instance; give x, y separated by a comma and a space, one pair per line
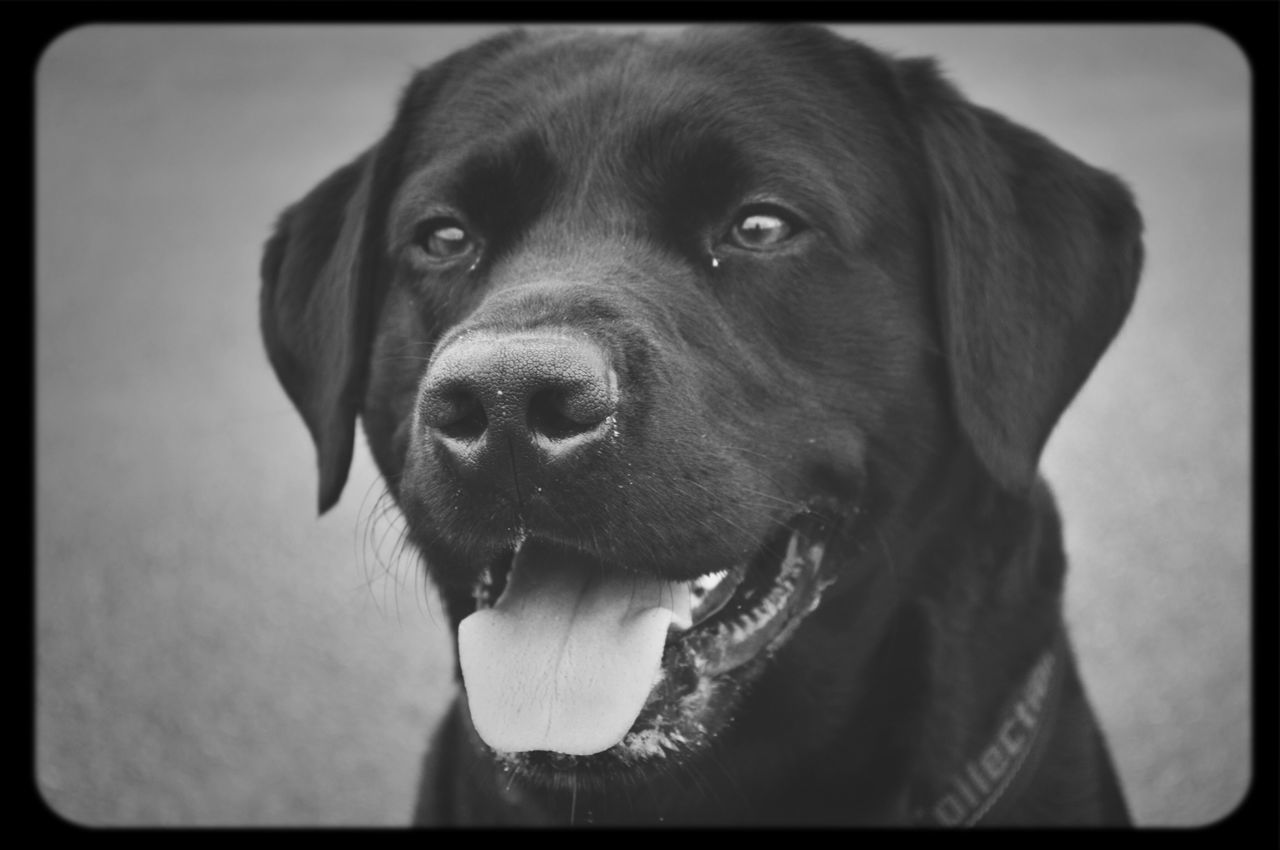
492, 401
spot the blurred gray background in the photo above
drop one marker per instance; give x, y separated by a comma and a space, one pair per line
208, 652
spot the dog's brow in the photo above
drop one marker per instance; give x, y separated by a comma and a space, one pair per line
499, 184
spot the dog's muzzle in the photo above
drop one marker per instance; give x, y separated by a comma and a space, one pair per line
567, 653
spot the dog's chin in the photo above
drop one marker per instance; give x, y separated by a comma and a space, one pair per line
739, 618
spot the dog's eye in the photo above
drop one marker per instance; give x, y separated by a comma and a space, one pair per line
762, 228
444, 239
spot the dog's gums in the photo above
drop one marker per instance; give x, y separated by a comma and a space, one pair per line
616, 685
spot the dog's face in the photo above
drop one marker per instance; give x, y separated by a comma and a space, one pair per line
662, 346
639, 331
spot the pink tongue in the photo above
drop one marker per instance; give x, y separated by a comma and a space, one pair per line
566, 658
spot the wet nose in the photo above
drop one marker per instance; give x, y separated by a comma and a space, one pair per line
492, 400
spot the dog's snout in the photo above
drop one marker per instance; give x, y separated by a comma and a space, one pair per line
495, 399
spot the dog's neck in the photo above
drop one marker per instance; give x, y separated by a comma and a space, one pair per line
969, 674
993, 779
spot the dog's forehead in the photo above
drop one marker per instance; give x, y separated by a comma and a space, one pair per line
567, 88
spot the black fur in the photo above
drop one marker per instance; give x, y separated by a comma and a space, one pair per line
899, 362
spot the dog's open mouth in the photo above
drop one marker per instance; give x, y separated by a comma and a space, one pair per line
569, 657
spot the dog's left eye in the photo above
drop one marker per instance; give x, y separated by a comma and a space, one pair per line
444, 239
762, 228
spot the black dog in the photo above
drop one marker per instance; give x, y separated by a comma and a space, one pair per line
711, 375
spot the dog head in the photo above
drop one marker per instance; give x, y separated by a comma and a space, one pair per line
664, 347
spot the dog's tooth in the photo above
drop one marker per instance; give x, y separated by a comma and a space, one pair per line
712, 592
769, 608
702, 585
793, 549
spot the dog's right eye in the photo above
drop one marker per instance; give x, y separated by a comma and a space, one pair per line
444, 239
762, 227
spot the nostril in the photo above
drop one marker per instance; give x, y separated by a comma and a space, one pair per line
560, 412
457, 414
469, 422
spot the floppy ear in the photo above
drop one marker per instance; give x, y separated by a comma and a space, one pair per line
1037, 257
322, 277
316, 291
